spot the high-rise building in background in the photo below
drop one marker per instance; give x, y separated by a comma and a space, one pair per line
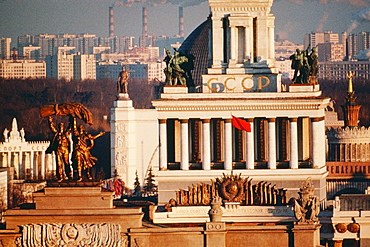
5, 49
331, 52
23, 69
84, 67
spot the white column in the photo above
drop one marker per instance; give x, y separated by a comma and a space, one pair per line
233, 44
217, 41
184, 133
162, 144
250, 146
271, 143
49, 166
33, 166
228, 160
293, 163
42, 168
206, 138
271, 42
5, 159
318, 142
9, 159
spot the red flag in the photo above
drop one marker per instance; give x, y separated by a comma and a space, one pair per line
241, 124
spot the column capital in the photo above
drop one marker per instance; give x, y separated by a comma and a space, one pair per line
271, 120
227, 120
206, 120
162, 121
317, 119
293, 119
251, 120
184, 120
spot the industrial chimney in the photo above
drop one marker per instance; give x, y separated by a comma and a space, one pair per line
111, 22
181, 22
145, 28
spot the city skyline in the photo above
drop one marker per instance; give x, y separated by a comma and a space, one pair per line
294, 18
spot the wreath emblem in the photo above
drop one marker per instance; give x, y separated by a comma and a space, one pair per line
231, 187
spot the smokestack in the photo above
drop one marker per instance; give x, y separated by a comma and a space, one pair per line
111, 22
145, 27
181, 22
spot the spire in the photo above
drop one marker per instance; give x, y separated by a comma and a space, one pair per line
350, 109
14, 133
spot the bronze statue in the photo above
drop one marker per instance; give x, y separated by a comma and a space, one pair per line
82, 141
122, 82
81, 156
61, 145
76, 110
177, 72
297, 63
168, 70
313, 61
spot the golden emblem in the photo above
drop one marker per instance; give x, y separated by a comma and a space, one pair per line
231, 187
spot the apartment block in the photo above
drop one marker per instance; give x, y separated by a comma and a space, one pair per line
5, 52
22, 69
331, 52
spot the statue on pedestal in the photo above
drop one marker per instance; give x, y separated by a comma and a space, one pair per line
81, 156
122, 82
61, 146
82, 160
176, 73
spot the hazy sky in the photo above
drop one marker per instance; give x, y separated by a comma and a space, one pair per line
294, 18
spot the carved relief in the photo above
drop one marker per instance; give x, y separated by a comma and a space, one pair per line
232, 188
53, 235
307, 206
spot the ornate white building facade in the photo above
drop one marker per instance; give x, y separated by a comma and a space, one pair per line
28, 159
189, 137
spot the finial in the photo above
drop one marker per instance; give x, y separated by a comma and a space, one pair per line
350, 87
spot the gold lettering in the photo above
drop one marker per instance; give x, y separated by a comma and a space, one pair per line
243, 81
209, 84
226, 81
260, 86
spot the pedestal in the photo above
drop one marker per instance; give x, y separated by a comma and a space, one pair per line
74, 205
307, 235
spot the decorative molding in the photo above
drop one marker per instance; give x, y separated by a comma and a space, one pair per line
348, 133
205, 107
56, 234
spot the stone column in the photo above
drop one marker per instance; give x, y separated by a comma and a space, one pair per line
217, 41
206, 136
42, 172
5, 160
250, 146
184, 133
271, 143
9, 158
233, 44
318, 142
228, 160
162, 144
293, 163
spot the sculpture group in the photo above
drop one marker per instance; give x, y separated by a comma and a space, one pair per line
306, 64
178, 68
74, 136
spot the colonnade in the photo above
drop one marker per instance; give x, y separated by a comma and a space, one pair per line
242, 42
33, 165
214, 141
349, 152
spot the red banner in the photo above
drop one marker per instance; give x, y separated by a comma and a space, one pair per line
241, 124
